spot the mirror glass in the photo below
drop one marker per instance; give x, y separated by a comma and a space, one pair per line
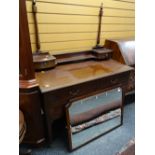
93, 116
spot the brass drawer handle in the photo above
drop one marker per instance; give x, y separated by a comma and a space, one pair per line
74, 93
114, 81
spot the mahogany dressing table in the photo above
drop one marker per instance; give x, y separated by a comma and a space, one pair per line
75, 80
73, 77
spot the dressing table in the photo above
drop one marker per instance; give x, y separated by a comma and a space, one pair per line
76, 76
75, 80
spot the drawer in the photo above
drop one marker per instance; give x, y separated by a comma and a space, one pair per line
118, 79
82, 89
112, 81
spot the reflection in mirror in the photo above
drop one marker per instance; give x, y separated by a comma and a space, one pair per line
93, 116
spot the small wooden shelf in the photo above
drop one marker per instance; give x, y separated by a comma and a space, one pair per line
75, 58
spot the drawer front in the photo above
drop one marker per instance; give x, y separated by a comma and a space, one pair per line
113, 81
83, 89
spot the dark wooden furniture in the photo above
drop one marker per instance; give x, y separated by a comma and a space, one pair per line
76, 80
124, 52
95, 54
49, 91
42, 60
29, 95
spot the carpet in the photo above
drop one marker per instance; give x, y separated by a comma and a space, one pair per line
109, 144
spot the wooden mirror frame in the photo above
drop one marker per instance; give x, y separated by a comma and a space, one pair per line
69, 134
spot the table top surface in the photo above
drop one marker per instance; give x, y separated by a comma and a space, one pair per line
76, 73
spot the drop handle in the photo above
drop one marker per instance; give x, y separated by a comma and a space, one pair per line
114, 81
74, 93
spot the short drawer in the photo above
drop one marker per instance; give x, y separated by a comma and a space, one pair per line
82, 89
118, 79
112, 81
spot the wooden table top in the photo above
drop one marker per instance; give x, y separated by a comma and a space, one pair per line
76, 73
